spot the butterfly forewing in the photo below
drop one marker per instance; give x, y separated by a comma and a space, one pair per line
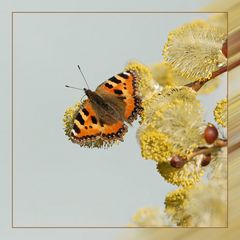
124, 87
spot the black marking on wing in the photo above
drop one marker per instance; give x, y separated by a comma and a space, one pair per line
94, 120
118, 91
114, 79
80, 119
123, 75
76, 129
108, 85
85, 111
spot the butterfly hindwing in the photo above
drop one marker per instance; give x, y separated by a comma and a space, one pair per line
115, 131
88, 127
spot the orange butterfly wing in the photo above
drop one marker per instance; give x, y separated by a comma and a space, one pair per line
87, 126
124, 85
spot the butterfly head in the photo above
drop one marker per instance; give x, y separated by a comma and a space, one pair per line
93, 96
88, 92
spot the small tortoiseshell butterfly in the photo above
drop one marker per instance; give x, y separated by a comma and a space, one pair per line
104, 113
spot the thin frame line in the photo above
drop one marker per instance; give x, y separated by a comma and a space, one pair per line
106, 12
177, 228
92, 227
227, 131
12, 129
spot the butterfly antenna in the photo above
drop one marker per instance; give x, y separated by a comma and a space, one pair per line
74, 87
83, 75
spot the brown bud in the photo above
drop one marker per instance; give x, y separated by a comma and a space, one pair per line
177, 161
225, 49
206, 160
210, 133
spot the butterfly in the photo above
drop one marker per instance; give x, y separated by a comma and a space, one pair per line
104, 114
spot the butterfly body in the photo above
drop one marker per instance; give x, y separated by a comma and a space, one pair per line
109, 109
104, 114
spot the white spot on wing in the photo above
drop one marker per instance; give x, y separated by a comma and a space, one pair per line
73, 131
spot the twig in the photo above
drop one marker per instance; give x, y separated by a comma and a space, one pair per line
219, 143
198, 84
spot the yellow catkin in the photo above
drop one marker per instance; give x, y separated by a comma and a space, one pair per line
148, 217
162, 73
175, 204
69, 116
220, 112
155, 146
177, 114
186, 176
146, 84
194, 49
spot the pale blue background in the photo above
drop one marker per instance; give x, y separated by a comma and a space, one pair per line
57, 183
